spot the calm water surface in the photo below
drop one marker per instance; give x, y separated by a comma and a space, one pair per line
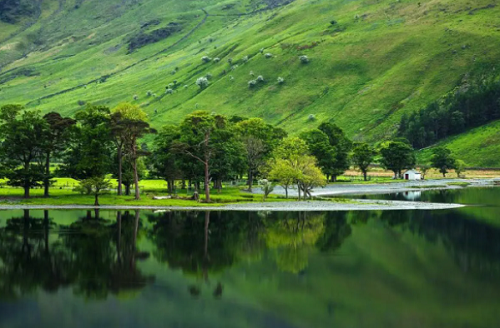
240, 269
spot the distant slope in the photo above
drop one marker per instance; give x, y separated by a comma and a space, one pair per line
378, 60
479, 147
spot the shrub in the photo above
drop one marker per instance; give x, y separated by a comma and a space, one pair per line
252, 73
268, 55
149, 93
304, 59
333, 22
261, 50
206, 59
216, 60
252, 83
186, 86
311, 118
260, 78
202, 82
136, 97
245, 59
208, 76
233, 68
155, 95
231, 78
267, 187
170, 85
230, 61
169, 91
173, 72
81, 102
281, 80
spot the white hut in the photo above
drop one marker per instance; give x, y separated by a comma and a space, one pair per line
412, 175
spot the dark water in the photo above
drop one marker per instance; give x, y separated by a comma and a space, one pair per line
240, 269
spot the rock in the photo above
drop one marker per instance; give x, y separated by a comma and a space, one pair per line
162, 197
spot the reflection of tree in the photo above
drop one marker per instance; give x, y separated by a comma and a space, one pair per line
83, 257
337, 229
475, 245
201, 244
292, 235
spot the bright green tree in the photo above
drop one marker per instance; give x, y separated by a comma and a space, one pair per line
97, 186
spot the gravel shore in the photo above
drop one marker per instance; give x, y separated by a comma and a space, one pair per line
318, 206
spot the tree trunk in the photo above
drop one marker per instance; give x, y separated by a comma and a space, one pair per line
46, 181
127, 189
334, 178
298, 190
120, 178
250, 180
169, 186
207, 181
26, 181
96, 203
286, 192
365, 175
136, 179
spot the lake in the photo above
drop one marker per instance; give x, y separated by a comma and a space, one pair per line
262, 269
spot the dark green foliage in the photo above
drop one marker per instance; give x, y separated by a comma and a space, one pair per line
467, 107
362, 157
319, 146
90, 150
341, 147
143, 39
397, 156
22, 134
13, 10
443, 160
164, 162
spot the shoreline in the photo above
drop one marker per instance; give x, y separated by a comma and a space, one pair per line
290, 206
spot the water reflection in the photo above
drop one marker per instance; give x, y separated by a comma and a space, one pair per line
191, 257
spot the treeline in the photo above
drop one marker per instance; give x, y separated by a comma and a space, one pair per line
204, 150
469, 106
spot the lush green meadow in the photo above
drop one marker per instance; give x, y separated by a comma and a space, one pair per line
378, 60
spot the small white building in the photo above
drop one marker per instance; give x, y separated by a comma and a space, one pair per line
412, 175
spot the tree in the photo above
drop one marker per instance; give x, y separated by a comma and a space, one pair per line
55, 141
22, 137
319, 146
259, 140
90, 150
97, 185
135, 128
443, 160
341, 148
198, 131
294, 153
284, 173
128, 173
362, 157
267, 187
164, 161
460, 167
396, 156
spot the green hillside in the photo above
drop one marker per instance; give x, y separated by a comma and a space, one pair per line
369, 60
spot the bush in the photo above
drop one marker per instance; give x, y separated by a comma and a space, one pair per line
333, 22
233, 68
245, 59
81, 102
230, 61
208, 76
268, 55
261, 50
231, 78
155, 95
186, 86
304, 59
169, 91
260, 78
281, 80
149, 93
252, 73
216, 60
311, 117
206, 59
202, 82
136, 97
170, 85
252, 83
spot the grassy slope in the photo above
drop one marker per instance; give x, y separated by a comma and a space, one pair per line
480, 147
364, 73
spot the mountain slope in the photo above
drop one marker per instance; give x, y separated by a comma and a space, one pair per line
379, 59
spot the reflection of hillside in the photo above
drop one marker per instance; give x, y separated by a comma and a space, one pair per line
475, 245
92, 256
